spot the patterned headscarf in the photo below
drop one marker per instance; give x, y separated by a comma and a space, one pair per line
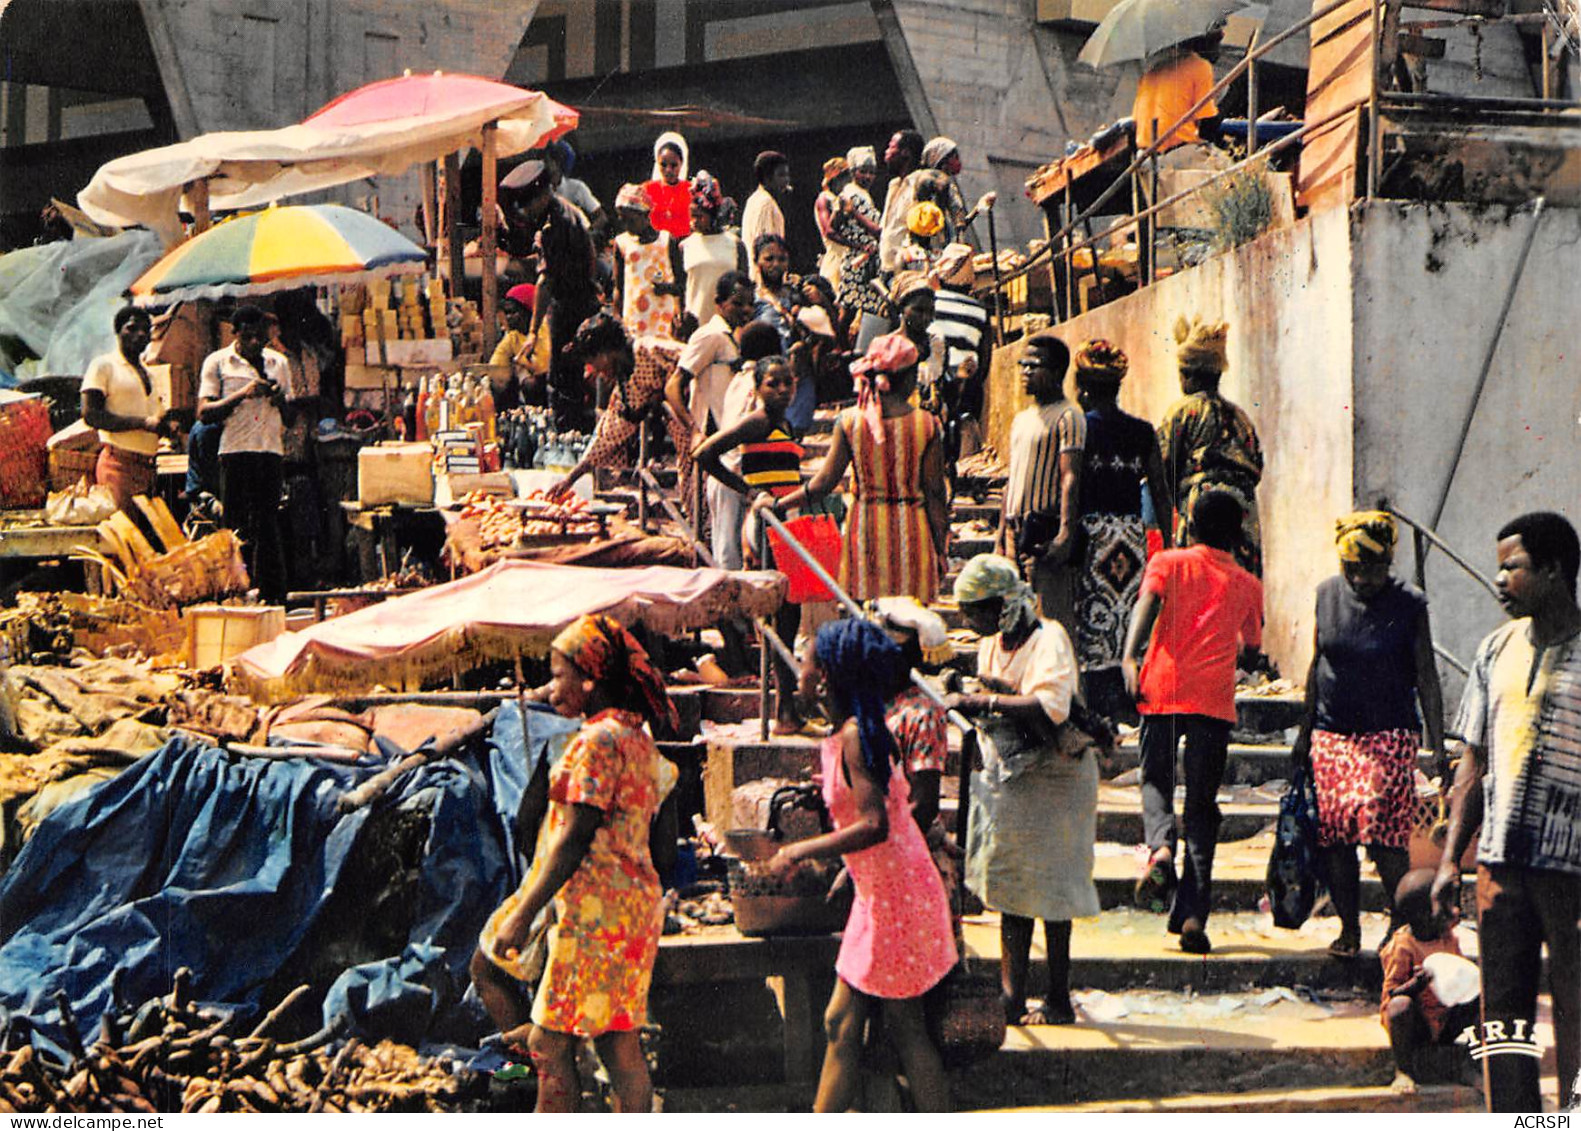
861, 664
1203, 345
861, 157
954, 268
666, 139
937, 151
634, 196
888, 353
833, 167
1101, 359
925, 219
908, 283
991, 575
601, 647
1366, 537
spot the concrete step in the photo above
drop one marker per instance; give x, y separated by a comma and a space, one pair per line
1124, 949
966, 510
1360, 1099
1245, 813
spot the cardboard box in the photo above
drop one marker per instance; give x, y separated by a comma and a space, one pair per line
395, 473
218, 633
407, 351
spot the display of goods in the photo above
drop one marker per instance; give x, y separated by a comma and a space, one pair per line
174, 1055
56, 623
503, 522
24, 432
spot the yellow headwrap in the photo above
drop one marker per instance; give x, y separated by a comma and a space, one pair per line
833, 167
1203, 344
925, 219
1366, 537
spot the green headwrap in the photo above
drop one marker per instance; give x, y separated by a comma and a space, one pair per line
991, 575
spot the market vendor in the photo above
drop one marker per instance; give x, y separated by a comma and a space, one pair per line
527, 357
243, 387
567, 292
638, 371
1171, 87
118, 399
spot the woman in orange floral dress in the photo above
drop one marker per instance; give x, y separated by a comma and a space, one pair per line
607, 897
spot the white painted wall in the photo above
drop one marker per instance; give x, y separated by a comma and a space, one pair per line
1430, 282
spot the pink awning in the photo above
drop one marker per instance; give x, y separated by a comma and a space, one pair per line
513, 608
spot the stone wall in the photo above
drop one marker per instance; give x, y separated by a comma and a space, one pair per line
259, 64
1430, 283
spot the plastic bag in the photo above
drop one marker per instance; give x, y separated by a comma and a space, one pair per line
1293, 864
79, 505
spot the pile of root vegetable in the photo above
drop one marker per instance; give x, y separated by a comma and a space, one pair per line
171, 1055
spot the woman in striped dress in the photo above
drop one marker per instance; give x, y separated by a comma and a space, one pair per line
898, 529
770, 465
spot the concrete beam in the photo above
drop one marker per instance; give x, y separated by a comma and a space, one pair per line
161, 35
911, 86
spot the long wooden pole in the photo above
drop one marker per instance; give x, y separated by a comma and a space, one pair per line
489, 239
198, 201
455, 252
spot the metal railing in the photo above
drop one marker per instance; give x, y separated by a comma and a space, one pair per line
1424, 541
1060, 250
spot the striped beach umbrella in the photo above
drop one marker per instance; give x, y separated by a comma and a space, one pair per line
280, 248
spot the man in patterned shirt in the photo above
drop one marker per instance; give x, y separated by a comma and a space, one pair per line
1519, 781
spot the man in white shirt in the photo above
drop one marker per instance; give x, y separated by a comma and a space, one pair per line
243, 387
763, 214
901, 158
118, 399
707, 365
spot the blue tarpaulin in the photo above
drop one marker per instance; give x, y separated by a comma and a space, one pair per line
224, 864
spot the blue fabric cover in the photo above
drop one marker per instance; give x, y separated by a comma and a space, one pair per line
193, 857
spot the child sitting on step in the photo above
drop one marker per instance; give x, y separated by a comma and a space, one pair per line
1412, 1010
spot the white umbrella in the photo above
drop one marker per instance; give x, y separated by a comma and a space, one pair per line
1135, 29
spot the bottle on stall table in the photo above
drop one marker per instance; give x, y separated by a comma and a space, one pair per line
435, 409
409, 412
486, 413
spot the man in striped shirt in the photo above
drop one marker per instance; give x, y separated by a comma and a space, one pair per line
1519, 780
962, 322
1041, 511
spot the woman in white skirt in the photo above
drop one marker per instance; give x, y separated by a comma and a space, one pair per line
1034, 807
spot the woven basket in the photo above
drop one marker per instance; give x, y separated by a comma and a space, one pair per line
203, 570
67, 465
1430, 825
966, 1017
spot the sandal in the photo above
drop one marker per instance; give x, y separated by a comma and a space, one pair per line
1196, 941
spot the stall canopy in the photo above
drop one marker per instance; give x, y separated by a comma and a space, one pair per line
278, 249
511, 609
339, 144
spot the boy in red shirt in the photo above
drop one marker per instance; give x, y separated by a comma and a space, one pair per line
1206, 608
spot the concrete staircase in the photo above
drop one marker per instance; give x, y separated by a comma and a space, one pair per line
1268, 1022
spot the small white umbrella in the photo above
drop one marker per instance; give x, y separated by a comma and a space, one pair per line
1136, 29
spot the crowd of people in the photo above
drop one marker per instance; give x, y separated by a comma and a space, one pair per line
689, 318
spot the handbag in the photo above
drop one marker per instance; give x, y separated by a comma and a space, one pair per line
1034, 531
1293, 863
965, 1015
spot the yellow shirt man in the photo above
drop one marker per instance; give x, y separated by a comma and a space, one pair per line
1165, 94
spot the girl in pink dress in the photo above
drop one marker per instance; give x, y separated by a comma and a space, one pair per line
897, 943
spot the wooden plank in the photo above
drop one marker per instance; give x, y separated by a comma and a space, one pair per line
1340, 74
1493, 8
488, 242
139, 547
162, 521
